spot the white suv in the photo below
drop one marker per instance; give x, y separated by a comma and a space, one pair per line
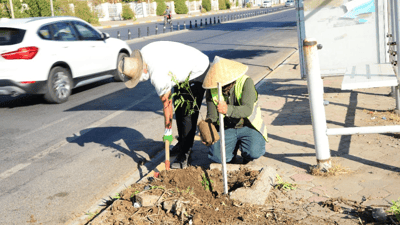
52, 55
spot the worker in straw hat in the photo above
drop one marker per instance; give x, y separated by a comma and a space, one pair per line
243, 124
165, 63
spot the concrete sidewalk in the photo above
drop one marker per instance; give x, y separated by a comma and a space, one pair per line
151, 19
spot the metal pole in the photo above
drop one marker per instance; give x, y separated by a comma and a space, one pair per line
222, 139
378, 52
51, 6
301, 35
12, 9
396, 31
315, 90
129, 34
156, 29
118, 35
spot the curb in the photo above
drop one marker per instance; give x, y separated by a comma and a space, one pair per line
160, 20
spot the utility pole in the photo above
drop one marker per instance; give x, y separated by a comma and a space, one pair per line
12, 9
51, 5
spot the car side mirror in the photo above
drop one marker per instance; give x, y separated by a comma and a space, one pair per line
105, 36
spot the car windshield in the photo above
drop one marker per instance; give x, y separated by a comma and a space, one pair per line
11, 36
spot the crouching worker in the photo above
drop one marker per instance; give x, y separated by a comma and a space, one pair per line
244, 126
182, 63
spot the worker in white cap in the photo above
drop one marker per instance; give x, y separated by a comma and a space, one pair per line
163, 62
243, 123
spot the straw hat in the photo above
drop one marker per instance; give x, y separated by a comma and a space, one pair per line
224, 71
132, 68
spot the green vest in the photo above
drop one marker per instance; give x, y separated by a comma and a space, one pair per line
255, 118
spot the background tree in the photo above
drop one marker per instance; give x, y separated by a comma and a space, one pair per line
82, 11
206, 4
222, 4
181, 7
127, 12
39, 8
161, 7
4, 13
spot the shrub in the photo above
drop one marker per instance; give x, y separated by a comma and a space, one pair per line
127, 12
161, 7
206, 4
39, 8
63, 9
180, 7
82, 11
228, 4
222, 4
4, 13
203, 10
17, 7
248, 5
237, 3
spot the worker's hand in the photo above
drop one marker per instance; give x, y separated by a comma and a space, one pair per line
168, 135
222, 107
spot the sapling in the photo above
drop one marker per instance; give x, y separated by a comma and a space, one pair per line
191, 105
205, 183
284, 185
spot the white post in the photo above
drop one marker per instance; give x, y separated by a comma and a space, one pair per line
51, 5
397, 32
222, 139
12, 9
315, 92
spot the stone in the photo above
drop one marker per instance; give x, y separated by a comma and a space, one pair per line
147, 200
169, 205
379, 214
257, 194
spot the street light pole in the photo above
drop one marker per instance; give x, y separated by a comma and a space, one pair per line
51, 5
12, 9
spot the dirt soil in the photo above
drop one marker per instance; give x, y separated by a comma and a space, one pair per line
195, 196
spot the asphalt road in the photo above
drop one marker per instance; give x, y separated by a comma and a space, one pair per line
58, 160
153, 28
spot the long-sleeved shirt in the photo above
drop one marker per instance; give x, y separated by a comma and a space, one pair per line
236, 117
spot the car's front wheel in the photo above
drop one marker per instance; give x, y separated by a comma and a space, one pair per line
59, 85
118, 75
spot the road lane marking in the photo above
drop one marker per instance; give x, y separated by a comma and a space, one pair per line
62, 143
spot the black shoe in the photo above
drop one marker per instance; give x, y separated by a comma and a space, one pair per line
181, 161
245, 161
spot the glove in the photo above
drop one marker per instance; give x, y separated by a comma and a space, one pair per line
168, 135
